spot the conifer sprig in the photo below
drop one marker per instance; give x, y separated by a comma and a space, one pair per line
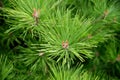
69, 38
6, 68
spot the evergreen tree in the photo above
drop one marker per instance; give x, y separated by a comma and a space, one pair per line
59, 40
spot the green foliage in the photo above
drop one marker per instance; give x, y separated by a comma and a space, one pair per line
6, 68
46, 39
70, 38
75, 73
35, 60
107, 54
111, 57
61, 73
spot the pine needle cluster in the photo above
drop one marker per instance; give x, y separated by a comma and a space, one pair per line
59, 40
